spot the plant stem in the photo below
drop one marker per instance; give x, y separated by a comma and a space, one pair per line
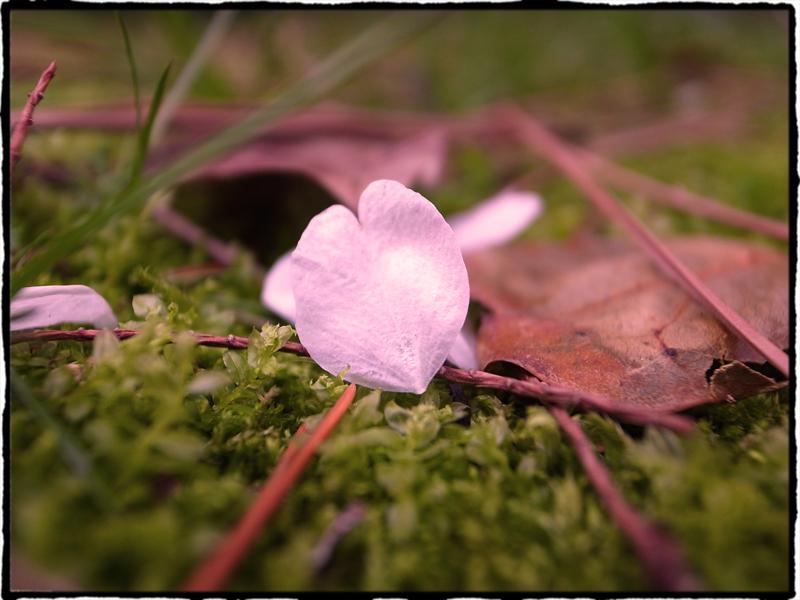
187, 230
548, 394
26, 118
344, 522
683, 199
213, 572
217, 27
659, 554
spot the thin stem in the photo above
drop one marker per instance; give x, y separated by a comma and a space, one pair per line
549, 394
213, 572
344, 522
72, 452
126, 38
660, 555
26, 118
683, 199
672, 130
187, 230
562, 156
217, 27
567, 398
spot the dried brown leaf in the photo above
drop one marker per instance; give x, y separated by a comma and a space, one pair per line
598, 317
341, 148
343, 164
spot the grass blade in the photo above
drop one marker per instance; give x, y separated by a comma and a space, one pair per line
126, 38
143, 140
335, 70
216, 30
214, 572
75, 456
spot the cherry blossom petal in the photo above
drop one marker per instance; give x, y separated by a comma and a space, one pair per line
496, 220
463, 353
383, 295
490, 223
47, 305
277, 294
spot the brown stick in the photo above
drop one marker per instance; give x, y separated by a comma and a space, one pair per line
671, 130
213, 572
192, 233
684, 199
562, 156
567, 398
549, 394
26, 118
344, 522
659, 554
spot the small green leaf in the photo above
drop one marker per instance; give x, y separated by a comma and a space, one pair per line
397, 417
402, 520
145, 305
365, 411
106, 345
236, 365
207, 382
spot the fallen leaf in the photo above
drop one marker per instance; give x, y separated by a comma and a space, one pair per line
599, 317
342, 148
344, 164
384, 294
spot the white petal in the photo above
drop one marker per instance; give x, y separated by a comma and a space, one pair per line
277, 294
384, 295
463, 354
46, 305
496, 220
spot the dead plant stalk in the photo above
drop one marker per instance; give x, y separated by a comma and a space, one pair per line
213, 572
658, 553
548, 394
26, 119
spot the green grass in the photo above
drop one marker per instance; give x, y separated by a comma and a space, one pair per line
499, 504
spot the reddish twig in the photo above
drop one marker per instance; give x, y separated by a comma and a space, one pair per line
562, 156
672, 130
568, 398
683, 199
26, 118
297, 441
212, 573
550, 394
193, 234
659, 554
341, 526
